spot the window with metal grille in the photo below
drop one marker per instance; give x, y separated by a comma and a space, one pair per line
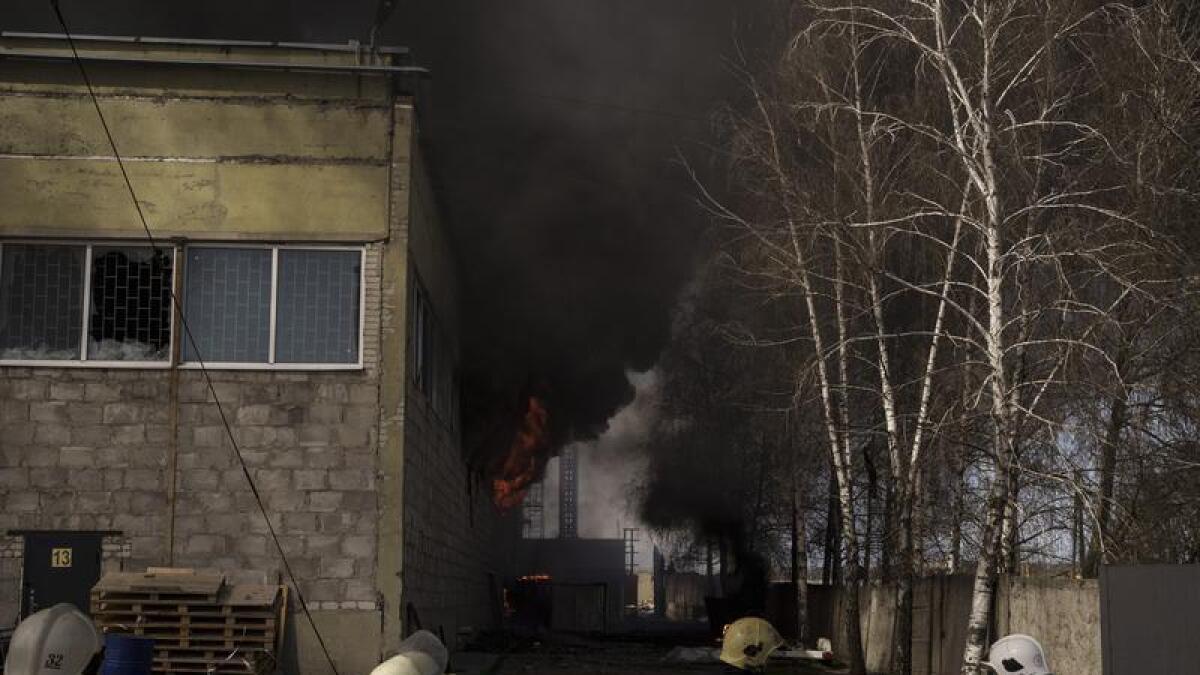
227, 302
41, 288
317, 307
62, 302
130, 310
273, 305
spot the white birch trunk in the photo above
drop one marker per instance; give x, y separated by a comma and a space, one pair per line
838, 438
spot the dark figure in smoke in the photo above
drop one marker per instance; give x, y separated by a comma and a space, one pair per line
746, 587
743, 584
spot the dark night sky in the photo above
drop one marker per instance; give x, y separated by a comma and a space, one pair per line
556, 125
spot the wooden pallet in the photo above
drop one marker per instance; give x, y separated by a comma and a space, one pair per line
243, 662
198, 623
205, 640
201, 625
206, 612
160, 581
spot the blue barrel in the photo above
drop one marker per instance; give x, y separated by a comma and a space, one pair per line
127, 655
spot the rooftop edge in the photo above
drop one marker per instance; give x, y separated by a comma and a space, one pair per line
351, 46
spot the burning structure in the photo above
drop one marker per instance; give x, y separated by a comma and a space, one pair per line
567, 582
297, 223
516, 471
575, 584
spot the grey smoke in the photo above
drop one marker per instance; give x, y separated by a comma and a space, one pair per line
611, 468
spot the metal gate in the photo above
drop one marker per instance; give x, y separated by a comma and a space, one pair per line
59, 567
579, 608
1149, 617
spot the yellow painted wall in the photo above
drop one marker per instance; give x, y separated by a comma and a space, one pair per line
432, 250
213, 153
199, 201
179, 127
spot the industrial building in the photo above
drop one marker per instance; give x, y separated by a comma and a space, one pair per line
287, 190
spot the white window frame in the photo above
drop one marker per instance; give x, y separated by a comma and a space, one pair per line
83, 361
270, 364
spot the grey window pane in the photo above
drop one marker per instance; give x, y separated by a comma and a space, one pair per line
130, 307
41, 301
316, 310
423, 336
227, 302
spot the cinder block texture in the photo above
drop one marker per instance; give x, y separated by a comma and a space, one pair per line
91, 449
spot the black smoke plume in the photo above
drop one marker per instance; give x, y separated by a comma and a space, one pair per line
555, 130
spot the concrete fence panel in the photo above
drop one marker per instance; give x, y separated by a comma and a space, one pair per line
1063, 614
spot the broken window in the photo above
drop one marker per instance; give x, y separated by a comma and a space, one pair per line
82, 302
109, 304
273, 305
130, 312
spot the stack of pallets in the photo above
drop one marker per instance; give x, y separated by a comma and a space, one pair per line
198, 623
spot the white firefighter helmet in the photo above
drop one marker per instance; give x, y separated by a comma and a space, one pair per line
422, 653
749, 642
58, 640
1017, 654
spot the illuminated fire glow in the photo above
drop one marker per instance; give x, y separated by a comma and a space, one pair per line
535, 578
521, 464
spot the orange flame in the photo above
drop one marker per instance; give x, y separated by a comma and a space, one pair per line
521, 464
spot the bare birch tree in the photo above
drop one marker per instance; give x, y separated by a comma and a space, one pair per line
978, 134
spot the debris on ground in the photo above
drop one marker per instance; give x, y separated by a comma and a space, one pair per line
693, 655
554, 654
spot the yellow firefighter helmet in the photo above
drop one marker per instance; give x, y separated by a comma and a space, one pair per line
749, 642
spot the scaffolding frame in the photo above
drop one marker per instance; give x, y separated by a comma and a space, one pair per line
630, 536
568, 494
533, 520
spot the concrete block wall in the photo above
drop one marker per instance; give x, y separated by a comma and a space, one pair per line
85, 449
92, 449
456, 546
11, 552
308, 440
455, 549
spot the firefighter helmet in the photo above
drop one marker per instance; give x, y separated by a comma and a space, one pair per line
749, 642
58, 640
1017, 655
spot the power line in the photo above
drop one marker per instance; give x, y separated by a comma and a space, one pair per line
188, 333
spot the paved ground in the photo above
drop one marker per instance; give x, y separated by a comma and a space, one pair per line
626, 656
